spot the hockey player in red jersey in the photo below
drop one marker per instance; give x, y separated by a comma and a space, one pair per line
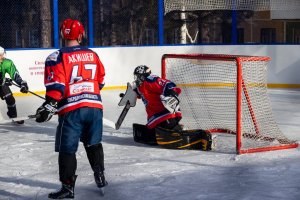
74, 76
153, 90
160, 97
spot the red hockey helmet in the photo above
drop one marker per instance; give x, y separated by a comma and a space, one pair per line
71, 29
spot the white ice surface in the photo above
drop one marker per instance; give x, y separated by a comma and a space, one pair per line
29, 170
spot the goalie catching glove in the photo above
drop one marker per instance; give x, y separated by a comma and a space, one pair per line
171, 103
47, 110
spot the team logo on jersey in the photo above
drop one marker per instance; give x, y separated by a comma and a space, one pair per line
50, 76
78, 88
53, 56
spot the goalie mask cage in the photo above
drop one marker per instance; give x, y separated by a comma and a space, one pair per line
227, 94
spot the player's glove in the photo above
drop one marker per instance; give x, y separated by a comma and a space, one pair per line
47, 110
7, 82
23, 87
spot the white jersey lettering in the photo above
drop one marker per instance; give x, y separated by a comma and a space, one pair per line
81, 57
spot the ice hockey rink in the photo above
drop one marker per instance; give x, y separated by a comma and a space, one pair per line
29, 170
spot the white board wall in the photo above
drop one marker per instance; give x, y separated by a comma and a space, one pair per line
120, 62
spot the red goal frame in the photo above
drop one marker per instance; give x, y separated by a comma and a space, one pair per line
240, 88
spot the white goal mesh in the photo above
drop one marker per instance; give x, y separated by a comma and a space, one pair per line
227, 94
255, 5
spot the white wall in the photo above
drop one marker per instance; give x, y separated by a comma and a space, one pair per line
120, 62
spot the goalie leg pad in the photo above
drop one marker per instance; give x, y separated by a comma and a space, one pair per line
144, 135
188, 139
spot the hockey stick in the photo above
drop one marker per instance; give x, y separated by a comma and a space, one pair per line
128, 100
29, 91
18, 119
122, 115
109, 123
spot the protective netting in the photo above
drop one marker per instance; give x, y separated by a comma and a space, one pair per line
209, 99
255, 5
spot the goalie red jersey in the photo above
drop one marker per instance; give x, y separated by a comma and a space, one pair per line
74, 77
150, 91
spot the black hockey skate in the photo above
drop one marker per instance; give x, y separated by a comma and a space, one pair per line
66, 191
100, 179
12, 114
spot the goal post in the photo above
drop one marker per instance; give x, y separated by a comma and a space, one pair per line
227, 94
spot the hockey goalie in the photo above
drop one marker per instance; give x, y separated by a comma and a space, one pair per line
160, 97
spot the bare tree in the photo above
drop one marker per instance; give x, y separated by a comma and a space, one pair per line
46, 25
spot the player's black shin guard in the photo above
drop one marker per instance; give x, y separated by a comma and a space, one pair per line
11, 106
67, 168
96, 158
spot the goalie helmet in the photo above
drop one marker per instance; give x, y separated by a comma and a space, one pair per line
71, 29
140, 73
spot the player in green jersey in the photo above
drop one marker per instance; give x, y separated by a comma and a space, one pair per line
7, 67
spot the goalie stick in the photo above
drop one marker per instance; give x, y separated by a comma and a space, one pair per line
128, 100
122, 115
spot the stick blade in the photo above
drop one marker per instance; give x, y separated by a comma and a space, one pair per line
14, 120
122, 115
109, 123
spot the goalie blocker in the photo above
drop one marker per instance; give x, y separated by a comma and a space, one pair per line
170, 139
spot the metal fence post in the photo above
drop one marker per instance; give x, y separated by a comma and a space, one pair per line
55, 24
160, 22
91, 23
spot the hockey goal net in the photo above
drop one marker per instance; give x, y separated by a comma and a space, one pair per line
258, 5
227, 94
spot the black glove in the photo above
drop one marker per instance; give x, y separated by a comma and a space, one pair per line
171, 93
24, 87
47, 110
7, 82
